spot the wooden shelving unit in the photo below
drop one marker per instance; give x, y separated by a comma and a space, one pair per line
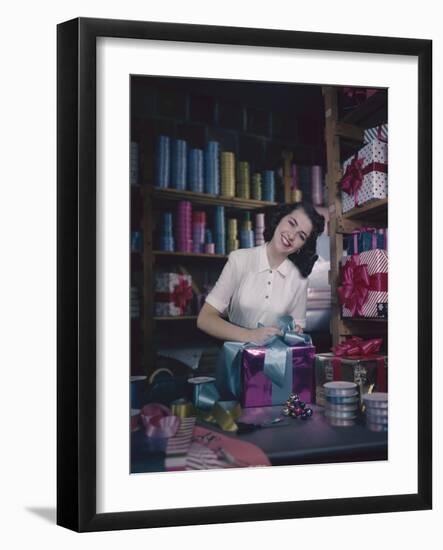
349, 128
153, 199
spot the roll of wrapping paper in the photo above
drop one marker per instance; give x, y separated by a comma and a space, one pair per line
195, 170
243, 180
317, 185
178, 164
256, 187
227, 174
162, 161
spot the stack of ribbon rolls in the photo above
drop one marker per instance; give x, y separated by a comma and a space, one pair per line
212, 168
178, 164
227, 174
256, 187
243, 180
162, 162
342, 403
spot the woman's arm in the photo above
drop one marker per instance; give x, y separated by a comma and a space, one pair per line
210, 321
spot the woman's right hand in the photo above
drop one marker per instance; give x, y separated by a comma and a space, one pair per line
262, 335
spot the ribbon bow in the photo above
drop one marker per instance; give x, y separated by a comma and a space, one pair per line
181, 294
353, 177
357, 346
356, 284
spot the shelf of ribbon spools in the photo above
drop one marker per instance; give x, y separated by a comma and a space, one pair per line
213, 232
209, 171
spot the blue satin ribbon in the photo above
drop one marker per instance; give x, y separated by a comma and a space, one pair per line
205, 395
277, 364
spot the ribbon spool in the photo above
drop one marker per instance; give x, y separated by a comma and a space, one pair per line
138, 384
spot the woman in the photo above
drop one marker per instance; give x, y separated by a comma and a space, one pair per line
260, 284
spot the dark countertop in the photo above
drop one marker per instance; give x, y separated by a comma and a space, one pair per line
310, 441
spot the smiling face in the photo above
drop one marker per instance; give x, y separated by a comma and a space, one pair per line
292, 232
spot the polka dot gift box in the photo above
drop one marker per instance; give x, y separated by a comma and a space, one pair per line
365, 175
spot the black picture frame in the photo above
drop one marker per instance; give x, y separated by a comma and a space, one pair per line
76, 279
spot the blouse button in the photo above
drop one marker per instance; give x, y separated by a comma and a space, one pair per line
269, 282
266, 296
270, 271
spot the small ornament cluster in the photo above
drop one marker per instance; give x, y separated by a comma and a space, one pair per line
296, 408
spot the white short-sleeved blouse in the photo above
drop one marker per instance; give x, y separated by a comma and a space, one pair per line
251, 292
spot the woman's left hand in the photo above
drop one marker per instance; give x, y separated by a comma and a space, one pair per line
298, 328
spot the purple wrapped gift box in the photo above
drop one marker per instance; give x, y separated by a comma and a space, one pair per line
259, 391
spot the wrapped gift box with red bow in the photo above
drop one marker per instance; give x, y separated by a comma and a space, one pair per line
173, 294
355, 360
365, 175
364, 285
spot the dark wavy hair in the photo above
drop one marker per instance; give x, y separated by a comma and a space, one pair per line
306, 257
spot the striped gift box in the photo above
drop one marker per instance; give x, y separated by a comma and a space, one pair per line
179, 445
377, 262
378, 132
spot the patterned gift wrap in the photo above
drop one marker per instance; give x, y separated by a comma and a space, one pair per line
172, 294
365, 176
364, 288
379, 132
369, 373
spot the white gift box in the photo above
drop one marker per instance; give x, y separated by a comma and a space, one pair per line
165, 286
373, 161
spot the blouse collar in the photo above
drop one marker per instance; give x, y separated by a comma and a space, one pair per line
263, 263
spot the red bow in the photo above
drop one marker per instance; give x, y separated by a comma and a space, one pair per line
181, 294
357, 346
356, 284
353, 177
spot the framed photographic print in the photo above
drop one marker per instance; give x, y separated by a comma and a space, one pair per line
228, 230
